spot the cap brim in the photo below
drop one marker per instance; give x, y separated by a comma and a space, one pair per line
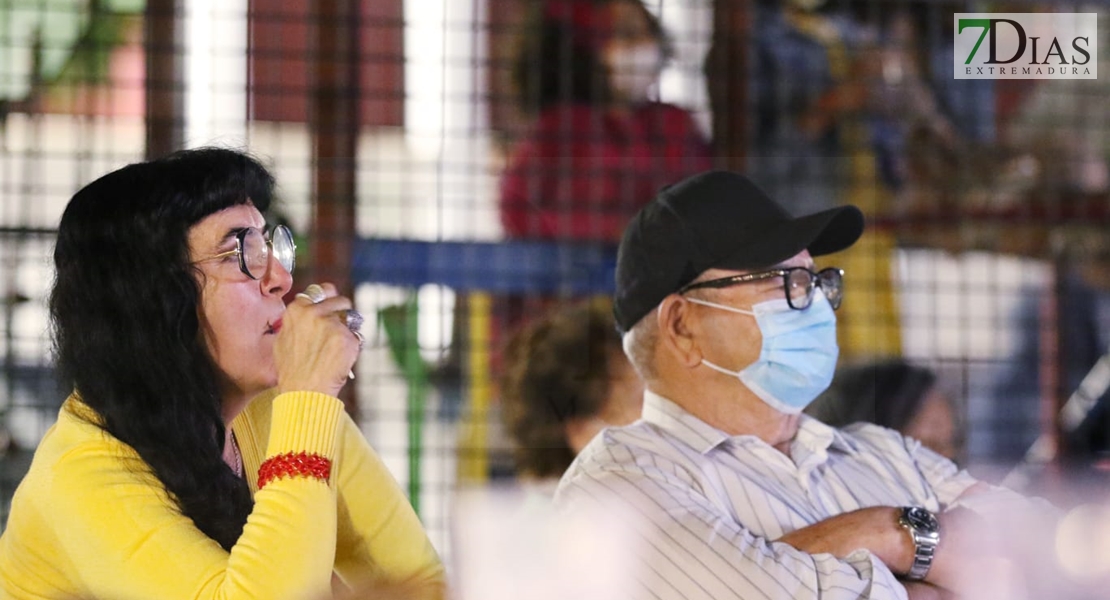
821, 233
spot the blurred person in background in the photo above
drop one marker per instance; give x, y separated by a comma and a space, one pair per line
813, 76
1073, 339
203, 452
854, 103
599, 144
565, 379
1062, 126
805, 88
893, 394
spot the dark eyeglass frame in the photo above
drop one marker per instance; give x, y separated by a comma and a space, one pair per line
267, 244
833, 292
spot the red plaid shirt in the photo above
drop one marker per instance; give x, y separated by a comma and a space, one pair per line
585, 171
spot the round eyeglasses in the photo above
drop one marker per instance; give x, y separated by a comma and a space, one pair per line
798, 283
253, 248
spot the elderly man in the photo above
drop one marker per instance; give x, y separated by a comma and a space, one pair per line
735, 493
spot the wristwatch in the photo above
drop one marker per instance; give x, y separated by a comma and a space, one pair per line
925, 531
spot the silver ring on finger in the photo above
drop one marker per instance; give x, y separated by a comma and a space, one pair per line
353, 320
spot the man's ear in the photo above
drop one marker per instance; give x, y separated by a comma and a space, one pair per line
678, 330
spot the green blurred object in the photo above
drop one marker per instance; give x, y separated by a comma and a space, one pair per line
400, 324
47, 42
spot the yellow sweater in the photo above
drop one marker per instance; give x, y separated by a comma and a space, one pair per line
90, 520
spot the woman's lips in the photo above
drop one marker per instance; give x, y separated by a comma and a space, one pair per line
274, 327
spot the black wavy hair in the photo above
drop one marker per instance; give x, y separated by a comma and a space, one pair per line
555, 64
124, 314
888, 393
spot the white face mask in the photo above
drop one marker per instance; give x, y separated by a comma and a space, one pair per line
634, 70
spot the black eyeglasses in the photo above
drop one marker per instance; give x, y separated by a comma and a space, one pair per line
253, 248
798, 283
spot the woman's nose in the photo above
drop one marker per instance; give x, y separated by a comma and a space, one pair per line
277, 281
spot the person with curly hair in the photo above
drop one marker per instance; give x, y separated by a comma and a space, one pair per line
203, 452
565, 379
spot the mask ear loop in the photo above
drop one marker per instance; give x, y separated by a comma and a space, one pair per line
741, 311
721, 369
721, 306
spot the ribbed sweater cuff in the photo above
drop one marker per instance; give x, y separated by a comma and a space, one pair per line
304, 422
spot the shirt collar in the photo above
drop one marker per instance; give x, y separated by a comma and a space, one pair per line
703, 437
674, 419
816, 436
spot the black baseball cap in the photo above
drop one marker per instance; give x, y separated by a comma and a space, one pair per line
716, 219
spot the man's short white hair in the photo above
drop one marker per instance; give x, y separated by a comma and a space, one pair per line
639, 345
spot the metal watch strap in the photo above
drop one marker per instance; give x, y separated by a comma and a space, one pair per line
924, 530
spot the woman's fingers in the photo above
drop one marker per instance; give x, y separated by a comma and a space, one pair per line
327, 300
315, 348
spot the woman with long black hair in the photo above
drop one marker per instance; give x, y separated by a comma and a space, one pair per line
202, 453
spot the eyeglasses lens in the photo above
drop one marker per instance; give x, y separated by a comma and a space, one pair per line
255, 253
831, 281
256, 250
799, 288
284, 250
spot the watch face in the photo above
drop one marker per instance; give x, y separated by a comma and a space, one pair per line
922, 519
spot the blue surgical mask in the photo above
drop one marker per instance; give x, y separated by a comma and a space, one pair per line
798, 357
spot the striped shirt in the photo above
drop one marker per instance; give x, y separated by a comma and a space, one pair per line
709, 504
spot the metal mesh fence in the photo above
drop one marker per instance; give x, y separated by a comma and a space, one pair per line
402, 132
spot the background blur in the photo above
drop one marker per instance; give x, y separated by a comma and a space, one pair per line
389, 123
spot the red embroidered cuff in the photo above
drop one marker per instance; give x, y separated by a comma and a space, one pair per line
294, 465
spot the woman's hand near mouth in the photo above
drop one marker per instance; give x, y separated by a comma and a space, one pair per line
314, 350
